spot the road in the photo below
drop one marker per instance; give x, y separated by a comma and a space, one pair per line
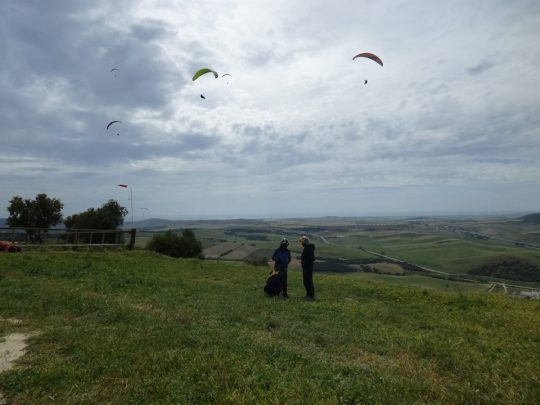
402, 261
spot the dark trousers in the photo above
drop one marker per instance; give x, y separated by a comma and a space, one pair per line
307, 274
283, 277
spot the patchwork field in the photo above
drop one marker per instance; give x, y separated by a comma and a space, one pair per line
465, 248
229, 251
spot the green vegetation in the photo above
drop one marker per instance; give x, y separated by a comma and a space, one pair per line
174, 245
42, 212
418, 281
452, 248
109, 216
510, 268
438, 251
138, 327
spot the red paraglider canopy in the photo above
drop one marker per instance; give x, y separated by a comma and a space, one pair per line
371, 56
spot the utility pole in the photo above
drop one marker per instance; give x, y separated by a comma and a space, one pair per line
130, 198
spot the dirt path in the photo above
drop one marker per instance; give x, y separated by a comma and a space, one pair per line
12, 347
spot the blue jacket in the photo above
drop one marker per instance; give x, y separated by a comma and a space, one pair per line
282, 257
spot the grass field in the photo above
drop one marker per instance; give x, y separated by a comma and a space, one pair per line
136, 327
422, 282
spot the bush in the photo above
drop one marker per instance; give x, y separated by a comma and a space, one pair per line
257, 258
172, 244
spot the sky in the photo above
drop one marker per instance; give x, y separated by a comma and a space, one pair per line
449, 124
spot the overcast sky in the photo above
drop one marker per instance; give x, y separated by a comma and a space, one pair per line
451, 123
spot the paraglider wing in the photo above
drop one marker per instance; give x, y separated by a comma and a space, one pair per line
110, 123
115, 69
226, 74
371, 56
203, 71
203, 97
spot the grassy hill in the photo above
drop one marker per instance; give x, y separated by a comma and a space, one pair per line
136, 327
531, 218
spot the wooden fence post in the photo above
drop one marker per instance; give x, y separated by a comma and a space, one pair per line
132, 233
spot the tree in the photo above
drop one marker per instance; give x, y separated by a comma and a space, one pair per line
42, 212
171, 244
110, 216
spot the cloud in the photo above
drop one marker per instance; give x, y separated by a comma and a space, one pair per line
480, 68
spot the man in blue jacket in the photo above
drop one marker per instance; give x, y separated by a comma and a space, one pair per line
282, 258
307, 258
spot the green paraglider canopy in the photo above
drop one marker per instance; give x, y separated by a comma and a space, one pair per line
204, 71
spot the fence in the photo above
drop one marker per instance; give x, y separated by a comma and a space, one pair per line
35, 238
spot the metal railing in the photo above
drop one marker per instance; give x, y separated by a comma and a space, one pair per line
69, 238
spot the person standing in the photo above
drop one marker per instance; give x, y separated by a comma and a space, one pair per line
282, 258
307, 259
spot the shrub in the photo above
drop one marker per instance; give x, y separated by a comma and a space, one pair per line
172, 244
257, 259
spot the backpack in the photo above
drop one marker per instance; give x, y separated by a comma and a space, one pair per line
273, 285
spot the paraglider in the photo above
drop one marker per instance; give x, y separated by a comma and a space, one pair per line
365, 82
226, 74
115, 70
203, 71
111, 123
369, 55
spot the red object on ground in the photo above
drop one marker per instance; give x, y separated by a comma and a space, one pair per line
9, 246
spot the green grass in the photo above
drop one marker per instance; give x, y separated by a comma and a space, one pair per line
421, 282
136, 327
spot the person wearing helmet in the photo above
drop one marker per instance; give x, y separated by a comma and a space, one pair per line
307, 259
282, 258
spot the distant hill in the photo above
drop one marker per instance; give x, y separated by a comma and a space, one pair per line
510, 268
531, 218
157, 224
3, 223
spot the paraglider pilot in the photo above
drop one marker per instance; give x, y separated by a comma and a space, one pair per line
282, 258
307, 259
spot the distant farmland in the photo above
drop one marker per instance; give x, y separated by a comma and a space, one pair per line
229, 251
